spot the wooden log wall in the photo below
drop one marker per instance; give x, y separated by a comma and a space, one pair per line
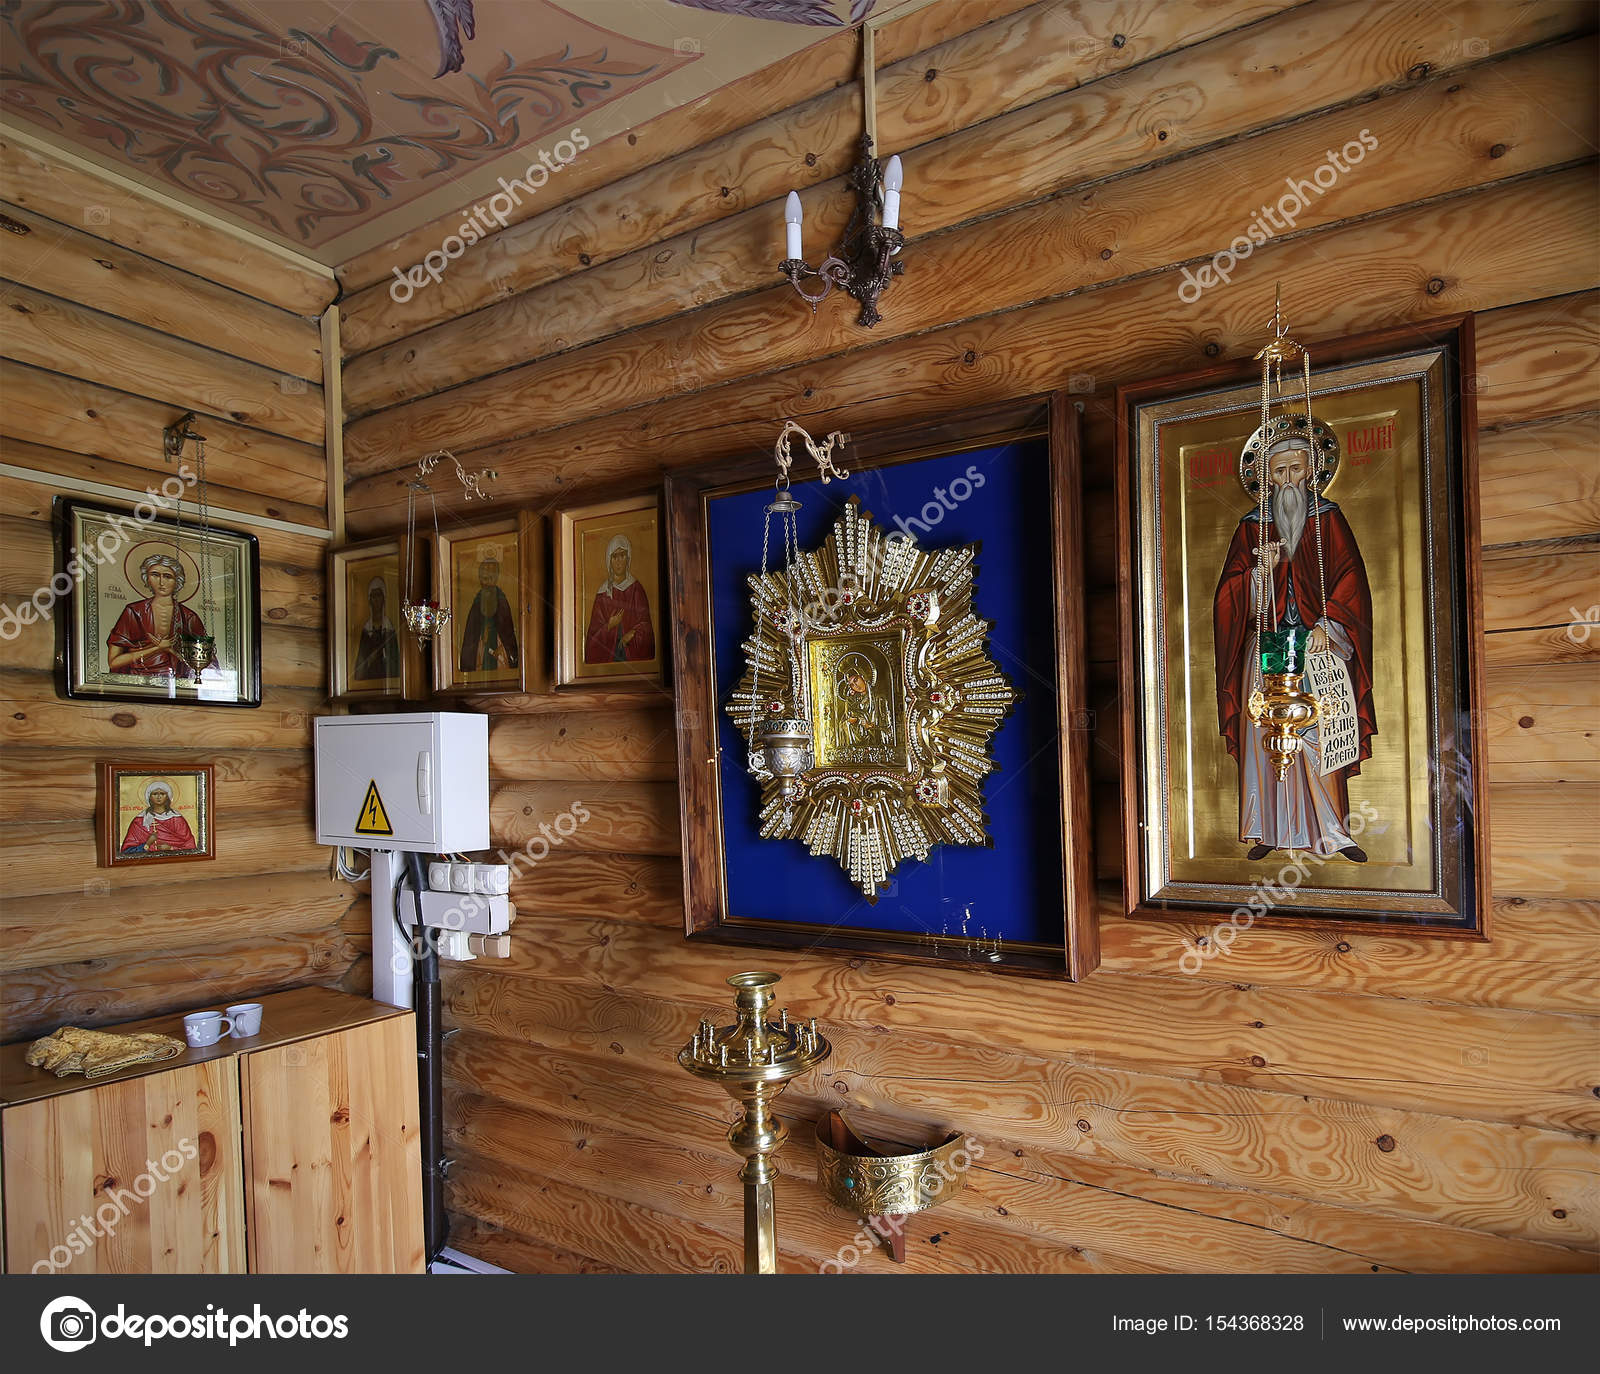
122, 313
1305, 1102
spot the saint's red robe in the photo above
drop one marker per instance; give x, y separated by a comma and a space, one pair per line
603, 643
171, 832
136, 627
1349, 606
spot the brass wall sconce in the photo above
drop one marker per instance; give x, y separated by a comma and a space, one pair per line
753, 1060
865, 260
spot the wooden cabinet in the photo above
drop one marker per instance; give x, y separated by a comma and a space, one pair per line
137, 1176
296, 1151
333, 1170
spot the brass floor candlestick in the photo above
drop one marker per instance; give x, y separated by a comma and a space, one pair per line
753, 1060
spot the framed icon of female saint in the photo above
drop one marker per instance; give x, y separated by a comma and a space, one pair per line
1322, 569
154, 814
608, 595
148, 598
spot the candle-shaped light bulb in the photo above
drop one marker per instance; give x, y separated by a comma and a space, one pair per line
893, 179
791, 227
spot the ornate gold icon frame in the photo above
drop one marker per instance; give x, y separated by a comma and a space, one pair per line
701, 704
873, 639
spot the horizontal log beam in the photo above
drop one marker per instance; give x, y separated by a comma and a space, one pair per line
1541, 480
612, 817
633, 746
72, 265
1363, 276
63, 189
100, 992
60, 412
47, 332
34, 715
69, 468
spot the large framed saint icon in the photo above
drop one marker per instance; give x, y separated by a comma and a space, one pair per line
1301, 642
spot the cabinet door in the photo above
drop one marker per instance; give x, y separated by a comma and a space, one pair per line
333, 1153
140, 1176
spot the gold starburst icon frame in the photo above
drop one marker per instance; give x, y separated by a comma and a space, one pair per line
873, 640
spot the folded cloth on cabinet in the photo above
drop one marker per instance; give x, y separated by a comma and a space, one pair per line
96, 1053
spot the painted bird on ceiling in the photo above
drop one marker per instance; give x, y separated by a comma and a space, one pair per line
452, 18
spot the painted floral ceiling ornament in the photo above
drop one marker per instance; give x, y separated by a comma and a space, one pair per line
305, 119
868, 665
820, 13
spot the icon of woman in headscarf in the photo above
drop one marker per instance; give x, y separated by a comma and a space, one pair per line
145, 637
378, 649
619, 625
158, 829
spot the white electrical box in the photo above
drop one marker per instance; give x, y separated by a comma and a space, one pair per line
405, 782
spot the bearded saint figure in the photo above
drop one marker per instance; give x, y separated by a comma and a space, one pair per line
1306, 809
489, 636
158, 829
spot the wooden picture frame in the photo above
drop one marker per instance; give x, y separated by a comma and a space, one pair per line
587, 540
356, 642
133, 827
459, 559
700, 704
1408, 847
111, 643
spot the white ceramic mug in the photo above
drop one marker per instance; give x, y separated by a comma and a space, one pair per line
246, 1018
203, 1028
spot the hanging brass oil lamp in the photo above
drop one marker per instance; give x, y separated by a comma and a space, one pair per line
1278, 702
196, 651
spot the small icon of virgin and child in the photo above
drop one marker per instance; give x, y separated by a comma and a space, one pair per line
158, 829
145, 639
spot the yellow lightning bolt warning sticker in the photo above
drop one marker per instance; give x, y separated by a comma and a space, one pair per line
373, 820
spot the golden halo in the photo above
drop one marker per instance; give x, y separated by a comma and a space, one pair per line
1291, 425
141, 551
